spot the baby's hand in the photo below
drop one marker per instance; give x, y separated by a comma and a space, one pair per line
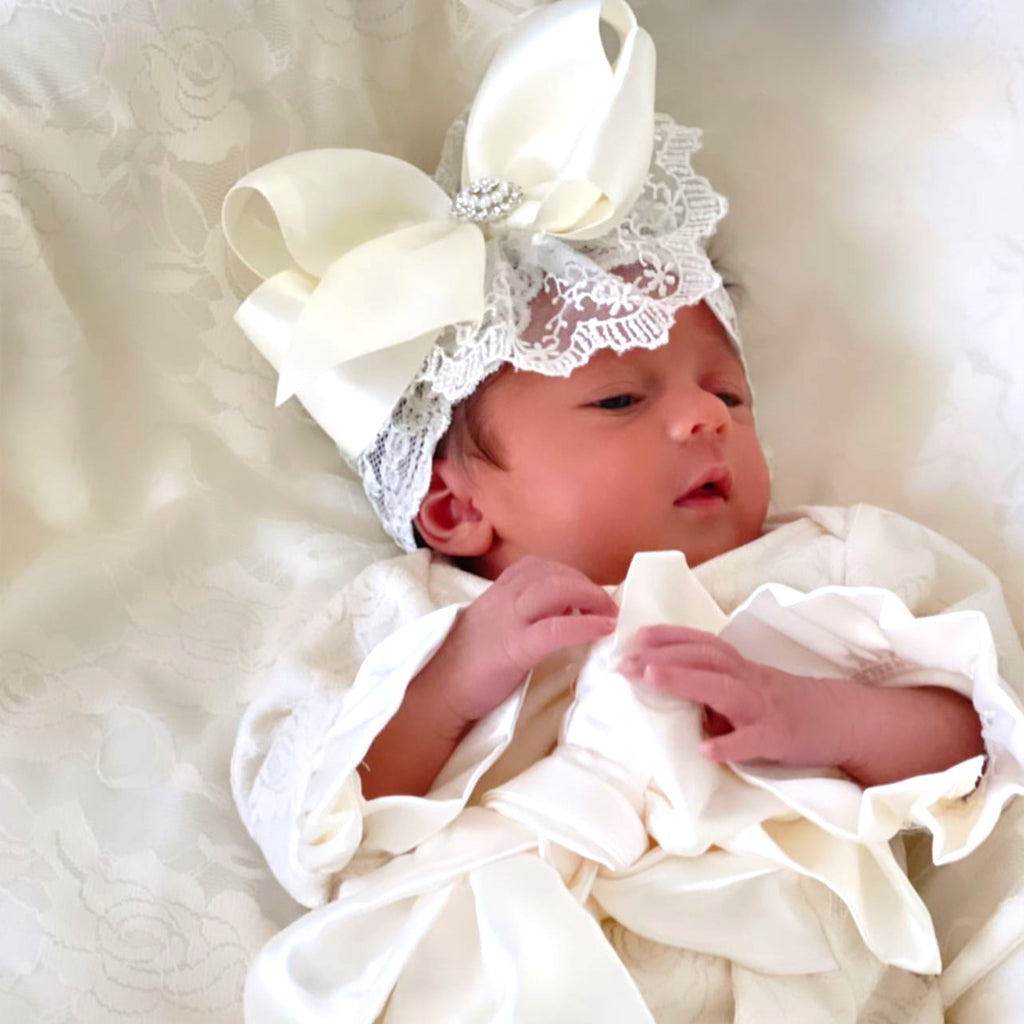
756, 711
534, 608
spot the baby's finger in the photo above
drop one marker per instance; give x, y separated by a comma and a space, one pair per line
559, 593
717, 691
698, 656
549, 635
664, 633
748, 744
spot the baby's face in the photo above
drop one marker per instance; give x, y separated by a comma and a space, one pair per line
645, 451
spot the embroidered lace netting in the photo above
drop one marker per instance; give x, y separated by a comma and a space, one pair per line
550, 305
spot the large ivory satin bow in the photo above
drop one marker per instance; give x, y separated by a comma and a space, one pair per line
363, 260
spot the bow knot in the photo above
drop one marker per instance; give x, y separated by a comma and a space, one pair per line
487, 200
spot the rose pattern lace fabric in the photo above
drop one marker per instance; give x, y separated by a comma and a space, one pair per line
164, 532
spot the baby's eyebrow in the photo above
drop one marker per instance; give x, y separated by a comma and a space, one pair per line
727, 346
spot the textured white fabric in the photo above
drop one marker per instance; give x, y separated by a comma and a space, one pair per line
638, 825
164, 532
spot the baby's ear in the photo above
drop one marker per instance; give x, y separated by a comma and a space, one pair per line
448, 521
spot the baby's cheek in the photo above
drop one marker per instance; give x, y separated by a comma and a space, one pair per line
757, 487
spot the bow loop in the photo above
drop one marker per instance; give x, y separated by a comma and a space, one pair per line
571, 128
386, 264
309, 208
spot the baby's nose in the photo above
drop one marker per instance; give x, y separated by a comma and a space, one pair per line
696, 412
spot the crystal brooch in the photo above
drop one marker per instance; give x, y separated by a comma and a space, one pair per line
487, 199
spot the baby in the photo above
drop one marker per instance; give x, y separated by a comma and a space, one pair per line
512, 789
565, 481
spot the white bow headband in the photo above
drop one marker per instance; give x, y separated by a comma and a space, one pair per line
378, 282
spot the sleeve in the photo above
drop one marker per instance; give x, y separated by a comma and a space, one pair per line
938, 580
833, 830
870, 634
294, 766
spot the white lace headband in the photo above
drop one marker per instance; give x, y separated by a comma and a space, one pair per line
564, 218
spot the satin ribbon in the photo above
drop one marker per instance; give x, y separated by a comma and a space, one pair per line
364, 265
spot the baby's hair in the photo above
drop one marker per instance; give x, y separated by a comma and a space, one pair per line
468, 435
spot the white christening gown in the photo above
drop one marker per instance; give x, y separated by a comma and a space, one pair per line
577, 860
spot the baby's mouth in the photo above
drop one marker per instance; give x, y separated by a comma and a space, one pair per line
711, 490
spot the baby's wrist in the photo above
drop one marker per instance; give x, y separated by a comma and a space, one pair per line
435, 696
842, 719
868, 729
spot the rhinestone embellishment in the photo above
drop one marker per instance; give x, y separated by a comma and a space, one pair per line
487, 199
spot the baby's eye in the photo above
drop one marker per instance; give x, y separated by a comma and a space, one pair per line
730, 398
616, 402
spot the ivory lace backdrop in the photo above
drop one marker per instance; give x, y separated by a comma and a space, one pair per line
165, 531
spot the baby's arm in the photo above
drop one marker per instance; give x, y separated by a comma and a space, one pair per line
534, 608
874, 734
